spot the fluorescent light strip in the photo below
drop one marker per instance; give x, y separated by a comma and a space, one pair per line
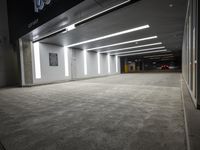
103, 12
166, 59
157, 55
141, 50
37, 60
66, 57
133, 54
110, 35
161, 57
73, 26
98, 62
121, 49
85, 62
154, 58
116, 62
108, 63
123, 43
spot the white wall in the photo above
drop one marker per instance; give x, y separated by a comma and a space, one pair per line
112, 64
50, 73
92, 63
104, 64
76, 63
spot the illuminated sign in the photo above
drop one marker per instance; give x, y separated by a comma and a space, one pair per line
40, 4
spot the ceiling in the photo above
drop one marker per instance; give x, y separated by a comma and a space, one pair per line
165, 17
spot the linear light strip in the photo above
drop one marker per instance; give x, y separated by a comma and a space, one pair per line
83, 20
116, 59
73, 26
37, 60
141, 50
111, 35
123, 43
158, 55
108, 63
85, 62
99, 63
133, 54
127, 48
66, 57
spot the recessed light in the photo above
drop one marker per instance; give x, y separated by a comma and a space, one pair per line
171, 5
111, 35
127, 48
141, 50
158, 55
123, 43
158, 51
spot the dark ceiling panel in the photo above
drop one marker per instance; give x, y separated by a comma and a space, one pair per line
24, 17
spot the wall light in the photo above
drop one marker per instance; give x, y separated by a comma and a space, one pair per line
99, 63
66, 59
85, 62
121, 49
116, 62
108, 56
141, 50
123, 43
36, 50
111, 35
133, 54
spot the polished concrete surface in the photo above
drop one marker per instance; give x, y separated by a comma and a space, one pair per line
122, 112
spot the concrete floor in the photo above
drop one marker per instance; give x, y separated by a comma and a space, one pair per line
123, 112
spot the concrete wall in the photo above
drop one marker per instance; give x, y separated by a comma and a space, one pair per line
76, 63
8, 58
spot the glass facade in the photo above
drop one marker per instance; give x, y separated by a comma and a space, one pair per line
190, 50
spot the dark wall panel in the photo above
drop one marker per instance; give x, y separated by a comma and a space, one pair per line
23, 17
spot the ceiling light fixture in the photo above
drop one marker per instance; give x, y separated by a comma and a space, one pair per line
141, 50
158, 55
102, 12
92, 17
127, 48
73, 26
133, 54
123, 43
110, 35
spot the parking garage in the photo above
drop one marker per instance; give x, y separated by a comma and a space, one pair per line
97, 74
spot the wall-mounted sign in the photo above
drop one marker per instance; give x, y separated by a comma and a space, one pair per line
53, 59
26, 15
40, 4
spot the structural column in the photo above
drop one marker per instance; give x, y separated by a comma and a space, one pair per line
26, 62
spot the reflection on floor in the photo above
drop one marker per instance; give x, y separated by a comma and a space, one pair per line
123, 112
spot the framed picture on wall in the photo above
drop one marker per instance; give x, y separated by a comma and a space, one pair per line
53, 59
